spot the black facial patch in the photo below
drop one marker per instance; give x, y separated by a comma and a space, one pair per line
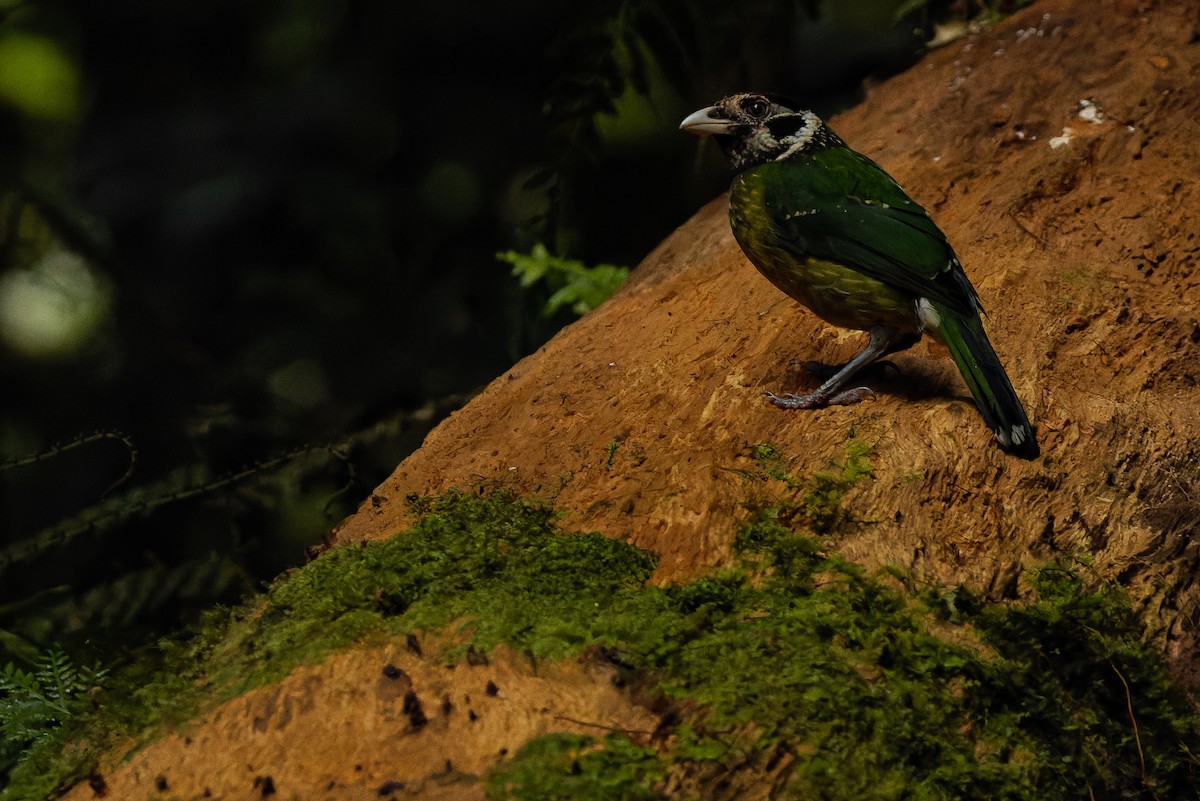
785, 125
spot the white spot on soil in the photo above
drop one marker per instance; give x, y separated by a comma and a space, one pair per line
1058, 141
1088, 110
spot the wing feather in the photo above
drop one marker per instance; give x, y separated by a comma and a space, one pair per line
838, 205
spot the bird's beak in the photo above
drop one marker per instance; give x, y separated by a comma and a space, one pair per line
706, 122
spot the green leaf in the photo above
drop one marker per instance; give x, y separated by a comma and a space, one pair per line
37, 77
572, 283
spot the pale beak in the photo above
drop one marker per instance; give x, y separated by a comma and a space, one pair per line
706, 122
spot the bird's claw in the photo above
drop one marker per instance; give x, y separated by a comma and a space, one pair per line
789, 401
849, 396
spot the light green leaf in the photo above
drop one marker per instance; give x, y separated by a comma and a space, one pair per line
38, 77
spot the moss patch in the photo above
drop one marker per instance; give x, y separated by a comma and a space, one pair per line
571, 767
796, 665
879, 692
500, 565
818, 501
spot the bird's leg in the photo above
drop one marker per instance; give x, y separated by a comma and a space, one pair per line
823, 371
828, 393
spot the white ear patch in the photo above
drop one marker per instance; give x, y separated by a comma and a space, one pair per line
800, 139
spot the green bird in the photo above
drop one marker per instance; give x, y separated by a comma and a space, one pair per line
829, 227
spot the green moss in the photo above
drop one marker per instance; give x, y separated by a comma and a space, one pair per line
610, 452
501, 565
885, 693
875, 687
495, 562
823, 502
890, 694
570, 767
818, 499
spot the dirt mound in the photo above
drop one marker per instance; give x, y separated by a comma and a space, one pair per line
378, 721
1057, 153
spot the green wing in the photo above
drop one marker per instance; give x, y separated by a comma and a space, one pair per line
838, 205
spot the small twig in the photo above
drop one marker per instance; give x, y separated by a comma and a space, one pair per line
131, 449
1136, 737
60, 448
351, 476
1025, 228
593, 725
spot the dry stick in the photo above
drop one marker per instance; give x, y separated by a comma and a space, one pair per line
83, 439
595, 725
62, 533
1136, 737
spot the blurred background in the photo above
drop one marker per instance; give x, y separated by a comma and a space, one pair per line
248, 251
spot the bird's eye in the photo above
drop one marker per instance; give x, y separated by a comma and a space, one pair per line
756, 107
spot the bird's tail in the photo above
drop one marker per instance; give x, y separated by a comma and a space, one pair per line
985, 377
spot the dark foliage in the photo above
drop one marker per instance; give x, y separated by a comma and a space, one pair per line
273, 228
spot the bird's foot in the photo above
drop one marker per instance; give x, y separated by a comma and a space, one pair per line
790, 401
815, 401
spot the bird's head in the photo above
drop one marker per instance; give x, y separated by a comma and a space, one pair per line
753, 128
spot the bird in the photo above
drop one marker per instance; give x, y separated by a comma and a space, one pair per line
829, 227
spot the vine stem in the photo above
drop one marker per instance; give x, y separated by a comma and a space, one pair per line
1133, 720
